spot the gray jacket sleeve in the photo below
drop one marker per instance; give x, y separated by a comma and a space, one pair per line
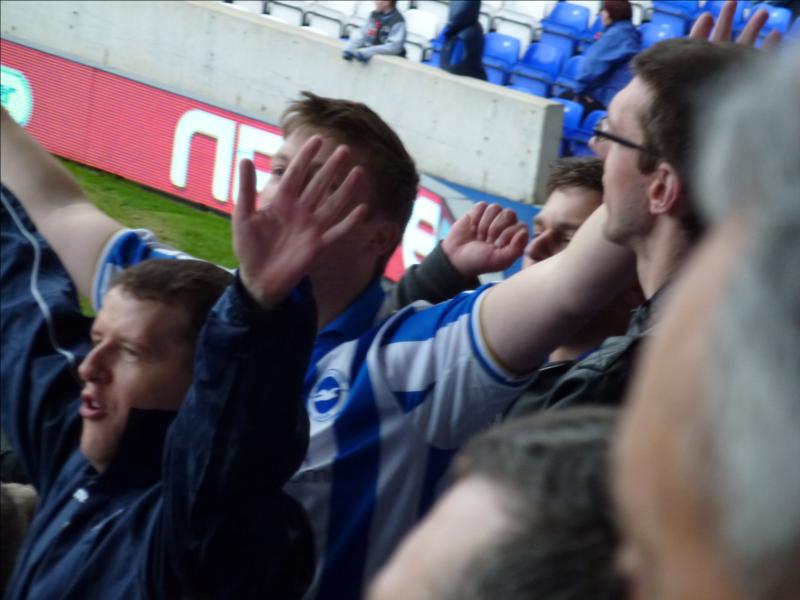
434, 280
394, 44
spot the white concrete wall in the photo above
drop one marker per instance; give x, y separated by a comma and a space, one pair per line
473, 133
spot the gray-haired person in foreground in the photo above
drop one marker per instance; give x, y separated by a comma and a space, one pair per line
706, 472
528, 516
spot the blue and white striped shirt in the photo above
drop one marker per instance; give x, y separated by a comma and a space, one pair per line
390, 399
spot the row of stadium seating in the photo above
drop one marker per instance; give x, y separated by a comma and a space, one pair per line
565, 35
526, 20
533, 46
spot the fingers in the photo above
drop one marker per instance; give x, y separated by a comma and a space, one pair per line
487, 218
343, 227
296, 175
750, 33
474, 216
723, 30
511, 233
331, 210
505, 256
246, 200
772, 41
702, 27
504, 220
322, 181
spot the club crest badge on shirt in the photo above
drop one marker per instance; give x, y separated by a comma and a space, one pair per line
328, 397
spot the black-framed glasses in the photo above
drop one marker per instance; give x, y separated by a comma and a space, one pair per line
601, 132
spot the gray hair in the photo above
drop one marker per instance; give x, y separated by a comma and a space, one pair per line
552, 470
748, 137
750, 163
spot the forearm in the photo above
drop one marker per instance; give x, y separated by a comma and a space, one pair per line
72, 225
526, 316
242, 428
43, 337
394, 43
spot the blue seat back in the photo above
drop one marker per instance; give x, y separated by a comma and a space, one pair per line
501, 47
592, 119
566, 44
567, 18
572, 67
580, 139
652, 33
715, 6
678, 23
567, 79
573, 114
500, 52
686, 8
529, 86
543, 57
590, 34
780, 18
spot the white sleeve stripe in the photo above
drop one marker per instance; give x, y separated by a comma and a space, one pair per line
497, 371
102, 269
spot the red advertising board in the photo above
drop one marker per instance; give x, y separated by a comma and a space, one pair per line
161, 139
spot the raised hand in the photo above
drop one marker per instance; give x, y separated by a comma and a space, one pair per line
278, 244
704, 27
485, 240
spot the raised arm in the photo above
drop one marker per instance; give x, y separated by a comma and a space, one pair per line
43, 338
526, 316
75, 228
242, 430
485, 240
705, 28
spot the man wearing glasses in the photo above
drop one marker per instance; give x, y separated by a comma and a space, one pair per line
644, 143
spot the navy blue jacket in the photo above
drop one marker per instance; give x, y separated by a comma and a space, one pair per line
191, 504
463, 26
605, 70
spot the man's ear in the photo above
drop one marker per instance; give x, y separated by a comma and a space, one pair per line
384, 238
664, 191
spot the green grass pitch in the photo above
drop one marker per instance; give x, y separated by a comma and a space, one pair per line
199, 232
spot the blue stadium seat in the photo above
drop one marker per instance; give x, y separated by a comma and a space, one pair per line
529, 86
435, 57
564, 43
685, 8
715, 6
565, 26
500, 53
652, 33
780, 18
566, 79
573, 114
567, 19
581, 137
678, 13
538, 68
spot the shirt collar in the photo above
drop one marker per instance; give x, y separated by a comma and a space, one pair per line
357, 318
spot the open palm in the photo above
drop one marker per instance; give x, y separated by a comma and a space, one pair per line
278, 244
485, 240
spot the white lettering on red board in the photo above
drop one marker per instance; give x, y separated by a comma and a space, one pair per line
419, 238
229, 151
